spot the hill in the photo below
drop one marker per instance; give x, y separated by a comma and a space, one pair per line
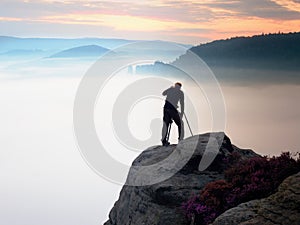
8, 43
21, 54
272, 58
281, 51
50, 44
82, 51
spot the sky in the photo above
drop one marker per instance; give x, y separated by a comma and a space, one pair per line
184, 21
46, 179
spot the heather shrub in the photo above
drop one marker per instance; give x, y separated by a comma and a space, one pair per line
208, 205
259, 177
198, 211
244, 181
214, 194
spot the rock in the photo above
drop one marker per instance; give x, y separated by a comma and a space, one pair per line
283, 207
159, 203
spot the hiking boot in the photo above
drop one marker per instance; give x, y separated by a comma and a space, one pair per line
165, 143
180, 139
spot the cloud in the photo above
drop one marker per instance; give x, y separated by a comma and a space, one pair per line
289, 4
268, 9
2, 19
187, 18
184, 11
117, 22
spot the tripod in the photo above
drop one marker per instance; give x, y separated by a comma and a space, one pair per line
188, 124
168, 132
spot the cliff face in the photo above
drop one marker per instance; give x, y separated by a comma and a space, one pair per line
160, 203
279, 208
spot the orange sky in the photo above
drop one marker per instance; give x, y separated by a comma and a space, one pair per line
184, 21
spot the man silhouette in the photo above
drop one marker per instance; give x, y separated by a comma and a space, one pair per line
174, 95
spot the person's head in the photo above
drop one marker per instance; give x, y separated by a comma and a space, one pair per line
178, 85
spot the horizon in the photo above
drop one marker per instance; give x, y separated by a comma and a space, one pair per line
116, 38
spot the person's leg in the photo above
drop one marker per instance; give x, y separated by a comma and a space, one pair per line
179, 123
166, 122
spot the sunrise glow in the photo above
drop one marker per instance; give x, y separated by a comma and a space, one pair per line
185, 21
289, 4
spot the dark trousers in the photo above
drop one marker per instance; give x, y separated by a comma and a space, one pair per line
169, 115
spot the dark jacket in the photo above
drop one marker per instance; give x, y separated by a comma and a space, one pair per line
174, 95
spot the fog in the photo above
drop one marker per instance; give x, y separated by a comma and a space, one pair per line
265, 118
45, 179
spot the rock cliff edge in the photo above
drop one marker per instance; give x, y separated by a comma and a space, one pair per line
160, 203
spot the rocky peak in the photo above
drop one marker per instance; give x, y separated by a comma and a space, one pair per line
159, 202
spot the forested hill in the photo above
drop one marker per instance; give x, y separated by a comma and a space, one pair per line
269, 51
271, 58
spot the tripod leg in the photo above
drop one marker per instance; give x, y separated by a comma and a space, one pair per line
168, 133
188, 124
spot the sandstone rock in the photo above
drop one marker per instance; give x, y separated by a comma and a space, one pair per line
283, 208
160, 203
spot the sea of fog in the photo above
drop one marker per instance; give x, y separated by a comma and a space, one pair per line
46, 180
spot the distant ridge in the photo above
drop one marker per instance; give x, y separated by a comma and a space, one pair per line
21, 52
281, 51
8, 43
55, 44
262, 58
82, 51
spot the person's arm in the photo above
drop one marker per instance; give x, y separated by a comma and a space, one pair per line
166, 91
